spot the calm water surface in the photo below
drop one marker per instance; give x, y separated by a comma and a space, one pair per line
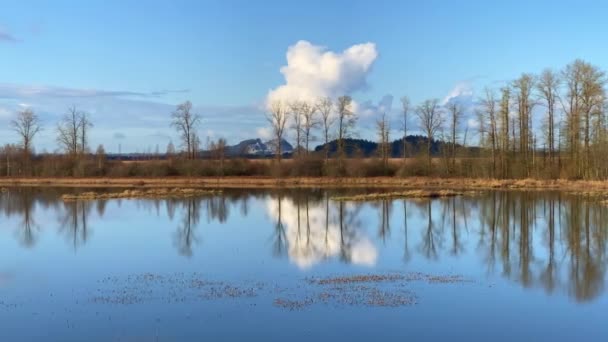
297, 266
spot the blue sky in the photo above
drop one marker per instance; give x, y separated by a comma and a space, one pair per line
130, 62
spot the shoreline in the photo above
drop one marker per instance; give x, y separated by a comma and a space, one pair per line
305, 182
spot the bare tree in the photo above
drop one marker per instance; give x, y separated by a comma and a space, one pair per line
481, 127
488, 105
383, 129
346, 122
68, 131
26, 125
296, 110
593, 98
277, 117
405, 109
523, 93
72, 135
309, 122
431, 120
325, 107
218, 150
503, 140
548, 87
185, 122
456, 111
85, 123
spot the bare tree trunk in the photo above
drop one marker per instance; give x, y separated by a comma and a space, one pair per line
405, 106
346, 121
431, 120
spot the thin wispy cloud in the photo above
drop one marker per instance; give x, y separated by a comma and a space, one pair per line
16, 91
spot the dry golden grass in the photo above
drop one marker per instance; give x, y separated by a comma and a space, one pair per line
151, 193
416, 183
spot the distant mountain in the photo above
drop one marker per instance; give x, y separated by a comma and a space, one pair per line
250, 146
353, 147
255, 147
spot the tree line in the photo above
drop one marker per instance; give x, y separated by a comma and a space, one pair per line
571, 112
547, 125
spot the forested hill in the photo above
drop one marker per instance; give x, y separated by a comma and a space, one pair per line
366, 148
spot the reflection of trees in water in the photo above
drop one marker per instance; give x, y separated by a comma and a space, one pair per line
406, 249
569, 230
100, 205
547, 240
279, 230
217, 208
552, 241
22, 202
586, 246
185, 235
450, 218
350, 226
28, 228
73, 222
548, 276
170, 207
384, 225
431, 234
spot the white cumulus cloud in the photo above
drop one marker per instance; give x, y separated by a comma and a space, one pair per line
312, 71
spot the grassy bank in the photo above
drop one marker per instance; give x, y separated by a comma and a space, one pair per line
313, 182
148, 193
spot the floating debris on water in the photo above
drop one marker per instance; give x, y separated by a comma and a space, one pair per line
390, 277
366, 290
123, 299
446, 279
371, 278
370, 290
228, 291
293, 304
178, 287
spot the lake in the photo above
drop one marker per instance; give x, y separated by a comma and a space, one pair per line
276, 265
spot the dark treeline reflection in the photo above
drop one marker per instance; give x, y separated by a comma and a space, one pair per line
552, 241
